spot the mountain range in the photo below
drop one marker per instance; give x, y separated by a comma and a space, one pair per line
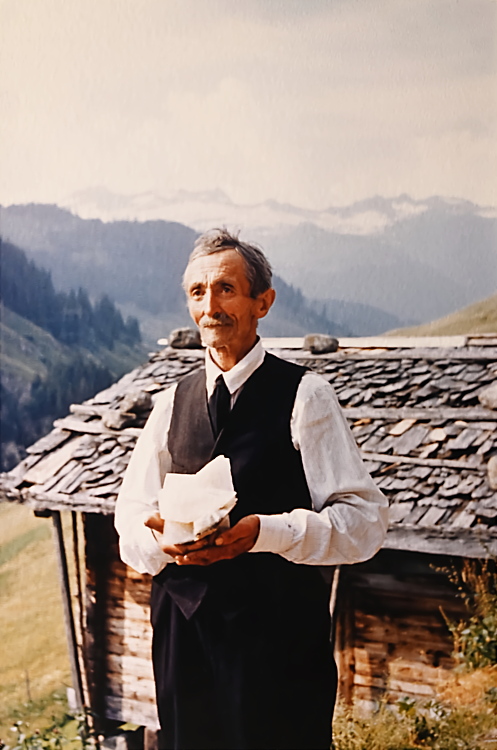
419, 268
211, 208
413, 259
375, 265
139, 265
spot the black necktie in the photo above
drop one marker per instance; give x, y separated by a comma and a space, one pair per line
219, 405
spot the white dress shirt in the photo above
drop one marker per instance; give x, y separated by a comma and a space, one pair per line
350, 515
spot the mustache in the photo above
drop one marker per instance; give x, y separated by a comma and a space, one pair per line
219, 319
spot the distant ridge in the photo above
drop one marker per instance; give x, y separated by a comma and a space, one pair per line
420, 261
480, 317
139, 265
209, 208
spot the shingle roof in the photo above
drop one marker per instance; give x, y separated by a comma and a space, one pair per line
414, 413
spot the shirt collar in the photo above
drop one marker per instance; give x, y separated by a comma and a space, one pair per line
238, 374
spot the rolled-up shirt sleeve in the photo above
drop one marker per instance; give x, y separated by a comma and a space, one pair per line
137, 499
349, 519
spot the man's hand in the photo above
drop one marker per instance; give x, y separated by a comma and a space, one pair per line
216, 546
225, 545
156, 523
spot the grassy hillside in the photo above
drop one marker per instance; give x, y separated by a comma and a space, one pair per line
481, 317
34, 668
27, 350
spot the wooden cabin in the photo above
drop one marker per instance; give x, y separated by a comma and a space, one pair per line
415, 410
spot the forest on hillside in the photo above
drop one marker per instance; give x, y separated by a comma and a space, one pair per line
57, 348
69, 316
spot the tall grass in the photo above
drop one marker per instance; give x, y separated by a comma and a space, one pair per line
34, 668
462, 717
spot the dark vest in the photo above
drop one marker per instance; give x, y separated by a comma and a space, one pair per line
267, 471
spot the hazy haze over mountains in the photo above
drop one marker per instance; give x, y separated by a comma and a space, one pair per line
385, 264
413, 259
140, 266
481, 317
418, 268
203, 210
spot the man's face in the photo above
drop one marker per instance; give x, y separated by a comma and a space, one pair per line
219, 301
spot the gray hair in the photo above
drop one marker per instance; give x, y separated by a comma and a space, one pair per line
258, 268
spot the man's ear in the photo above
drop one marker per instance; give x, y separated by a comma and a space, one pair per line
265, 300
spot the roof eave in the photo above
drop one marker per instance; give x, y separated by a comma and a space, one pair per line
473, 542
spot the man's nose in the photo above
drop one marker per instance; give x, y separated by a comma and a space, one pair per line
211, 303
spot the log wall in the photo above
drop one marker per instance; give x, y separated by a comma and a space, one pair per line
391, 637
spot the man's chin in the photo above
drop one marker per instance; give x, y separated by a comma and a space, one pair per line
215, 338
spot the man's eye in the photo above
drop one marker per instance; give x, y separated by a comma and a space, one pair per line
227, 288
196, 293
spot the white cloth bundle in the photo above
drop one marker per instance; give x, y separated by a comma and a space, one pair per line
193, 505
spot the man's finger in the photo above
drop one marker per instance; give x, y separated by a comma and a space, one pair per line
205, 541
172, 550
247, 528
205, 556
192, 546
209, 555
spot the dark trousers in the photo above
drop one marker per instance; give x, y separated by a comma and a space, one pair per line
254, 673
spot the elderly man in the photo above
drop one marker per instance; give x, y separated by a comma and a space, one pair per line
242, 655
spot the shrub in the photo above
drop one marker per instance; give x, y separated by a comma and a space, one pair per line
475, 638
71, 733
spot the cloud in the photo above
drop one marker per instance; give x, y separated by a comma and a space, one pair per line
312, 103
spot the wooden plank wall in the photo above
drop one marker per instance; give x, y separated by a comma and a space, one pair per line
119, 635
130, 682
391, 638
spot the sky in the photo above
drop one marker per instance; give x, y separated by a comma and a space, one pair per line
314, 103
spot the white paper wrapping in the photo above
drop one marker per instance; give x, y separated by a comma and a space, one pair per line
192, 505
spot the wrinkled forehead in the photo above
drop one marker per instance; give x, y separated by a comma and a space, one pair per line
223, 265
